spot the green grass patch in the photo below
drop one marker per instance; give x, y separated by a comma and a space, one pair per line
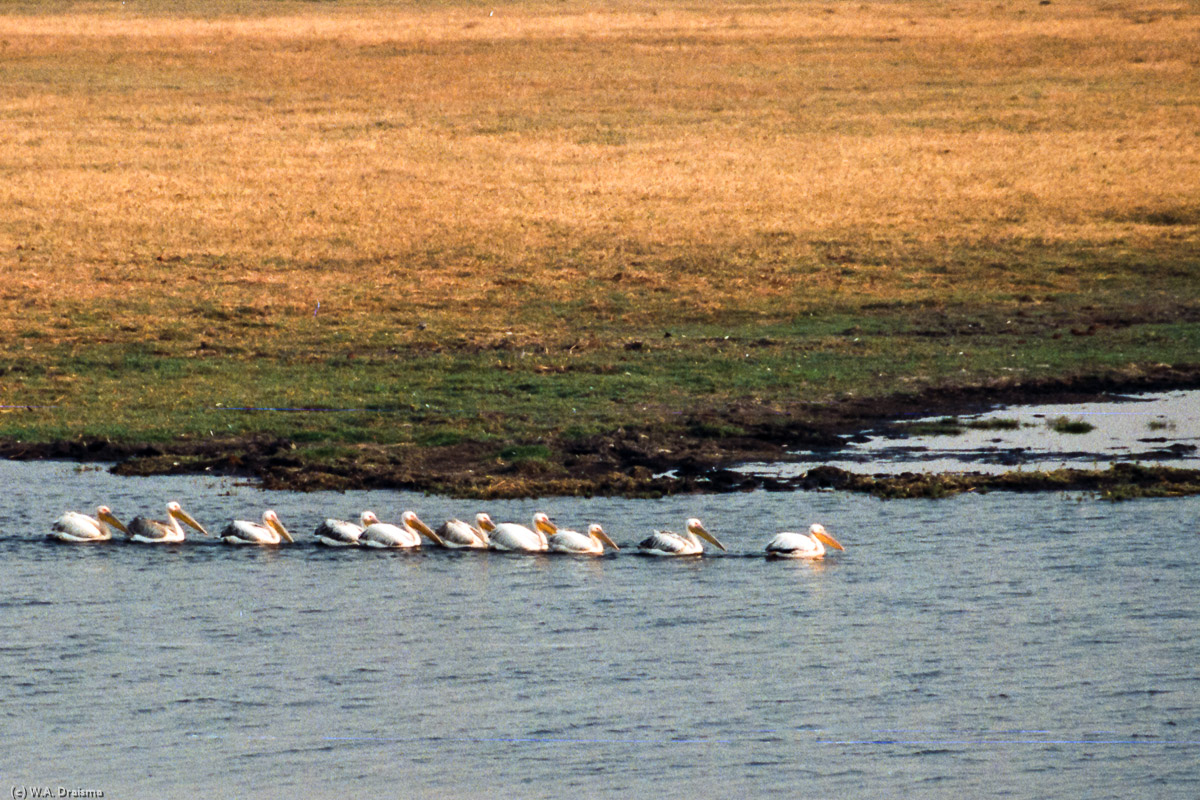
520, 453
443, 398
946, 426
441, 438
1067, 425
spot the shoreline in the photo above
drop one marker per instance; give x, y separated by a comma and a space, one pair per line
639, 461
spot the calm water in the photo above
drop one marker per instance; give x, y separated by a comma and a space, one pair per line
998, 646
1160, 428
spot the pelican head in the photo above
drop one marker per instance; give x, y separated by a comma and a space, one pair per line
542, 523
697, 527
271, 520
105, 514
484, 522
176, 511
411, 519
818, 532
368, 518
596, 532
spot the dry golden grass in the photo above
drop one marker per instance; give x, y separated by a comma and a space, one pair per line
443, 165
499, 214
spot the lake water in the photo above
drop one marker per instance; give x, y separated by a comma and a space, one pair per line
1023, 646
1160, 428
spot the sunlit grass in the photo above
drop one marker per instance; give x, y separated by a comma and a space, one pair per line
432, 224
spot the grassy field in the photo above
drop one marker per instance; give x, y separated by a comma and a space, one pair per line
441, 222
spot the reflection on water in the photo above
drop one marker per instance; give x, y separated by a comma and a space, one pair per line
1035, 646
1161, 429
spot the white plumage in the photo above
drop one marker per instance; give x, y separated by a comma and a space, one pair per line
457, 534
590, 543
153, 531
338, 533
270, 531
791, 544
407, 534
511, 536
75, 527
669, 543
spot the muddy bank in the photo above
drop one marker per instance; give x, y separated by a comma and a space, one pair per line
639, 460
1118, 482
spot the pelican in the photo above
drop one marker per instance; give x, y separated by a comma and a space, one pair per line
339, 533
791, 544
511, 536
75, 527
457, 534
591, 544
668, 543
153, 531
271, 531
407, 534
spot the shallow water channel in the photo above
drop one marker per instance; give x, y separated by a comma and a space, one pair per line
1161, 428
979, 646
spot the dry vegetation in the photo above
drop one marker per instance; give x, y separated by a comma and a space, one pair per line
575, 174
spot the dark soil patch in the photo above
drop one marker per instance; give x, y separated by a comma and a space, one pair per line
1118, 482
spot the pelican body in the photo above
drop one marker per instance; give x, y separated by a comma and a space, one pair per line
339, 533
153, 531
591, 544
457, 534
75, 527
511, 536
407, 534
271, 531
669, 543
791, 544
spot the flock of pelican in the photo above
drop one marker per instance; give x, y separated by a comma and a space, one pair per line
543, 536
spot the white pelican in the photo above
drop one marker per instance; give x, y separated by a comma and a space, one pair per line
511, 536
339, 533
790, 544
153, 531
592, 543
458, 534
271, 531
75, 527
668, 543
407, 534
